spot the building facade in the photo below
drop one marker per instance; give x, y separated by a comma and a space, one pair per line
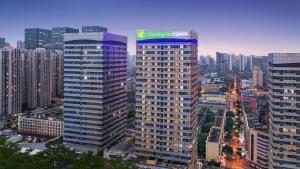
257, 76
2, 42
166, 96
20, 44
58, 36
47, 123
222, 63
57, 60
12, 82
258, 148
38, 78
284, 108
94, 90
38, 38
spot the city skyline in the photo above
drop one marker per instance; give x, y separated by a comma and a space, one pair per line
240, 27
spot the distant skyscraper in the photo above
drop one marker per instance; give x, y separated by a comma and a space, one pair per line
11, 86
87, 29
222, 63
95, 95
38, 38
242, 63
58, 36
20, 44
284, 101
166, 85
250, 62
257, 76
230, 60
39, 78
2, 42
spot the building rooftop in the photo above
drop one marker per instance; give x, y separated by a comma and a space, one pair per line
220, 113
50, 114
214, 135
218, 121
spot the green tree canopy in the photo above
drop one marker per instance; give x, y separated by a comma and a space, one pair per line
55, 157
227, 150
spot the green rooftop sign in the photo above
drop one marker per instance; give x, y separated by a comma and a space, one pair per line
142, 35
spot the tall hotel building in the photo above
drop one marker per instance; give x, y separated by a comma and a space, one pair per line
94, 90
284, 90
166, 97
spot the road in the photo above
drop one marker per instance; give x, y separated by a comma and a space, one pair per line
235, 162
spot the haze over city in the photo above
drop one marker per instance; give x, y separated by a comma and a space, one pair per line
234, 26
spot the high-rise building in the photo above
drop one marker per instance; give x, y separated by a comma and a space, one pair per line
38, 38
222, 62
167, 97
87, 29
95, 95
38, 78
242, 63
2, 42
20, 44
11, 86
57, 58
257, 76
284, 107
58, 36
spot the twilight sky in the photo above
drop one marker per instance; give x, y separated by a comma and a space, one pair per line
236, 26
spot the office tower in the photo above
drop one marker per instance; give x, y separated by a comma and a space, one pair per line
39, 78
250, 63
94, 90
257, 76
2, 42
58, 36
242, 63
203, 66
284, 80
230, 60
57, 58
38, 38
166, 97
11, 86
222, 63
20, 44
87, 29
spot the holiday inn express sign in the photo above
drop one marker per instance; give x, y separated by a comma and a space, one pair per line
143, 34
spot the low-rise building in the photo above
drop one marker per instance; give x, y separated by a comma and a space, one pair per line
246, 83
214, 144
214, 140
43, 123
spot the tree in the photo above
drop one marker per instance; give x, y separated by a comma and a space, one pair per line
239, 152
89, 161
131, 113
55, 157
214, 163
227, 150
202, 137
118, 163
210, 116
228, 137
206, 127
